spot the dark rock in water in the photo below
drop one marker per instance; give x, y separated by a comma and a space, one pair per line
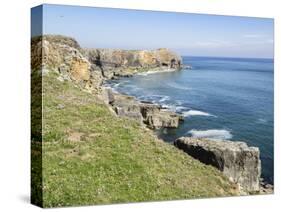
266, 188
123, 74
240, 163
188, 67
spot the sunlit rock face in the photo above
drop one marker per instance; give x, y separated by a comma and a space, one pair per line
240, 163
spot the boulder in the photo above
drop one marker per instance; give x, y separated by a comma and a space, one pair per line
162, 119
127, 106
153, 115
240, 163
107, 95
156, 117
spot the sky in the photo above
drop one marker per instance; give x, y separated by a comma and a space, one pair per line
188, 34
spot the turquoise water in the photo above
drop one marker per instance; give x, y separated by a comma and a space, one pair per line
221, 98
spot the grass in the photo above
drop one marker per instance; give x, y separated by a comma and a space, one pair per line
90, 156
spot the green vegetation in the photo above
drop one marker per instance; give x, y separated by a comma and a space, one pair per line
90, 156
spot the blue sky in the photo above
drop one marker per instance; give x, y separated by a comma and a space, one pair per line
188, 34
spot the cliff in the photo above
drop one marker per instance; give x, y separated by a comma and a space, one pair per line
114, 62
240, 163
89, 67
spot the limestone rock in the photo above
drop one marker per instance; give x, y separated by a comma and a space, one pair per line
240, 163
166, 119
107, 95
127, 106
120, 63
156, 117
90, 67
79, 69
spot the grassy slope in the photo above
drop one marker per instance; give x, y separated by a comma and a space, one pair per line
115, 160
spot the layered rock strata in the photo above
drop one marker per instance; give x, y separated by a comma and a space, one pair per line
240, 163
124, 63
90, 67
153, 115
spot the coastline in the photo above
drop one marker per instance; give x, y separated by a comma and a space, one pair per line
90, 76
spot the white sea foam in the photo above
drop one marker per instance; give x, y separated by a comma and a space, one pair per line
195, 113
177, 86
211, 134
156, 71
155, 98
164, 98
261, 121
116, 85
174, 108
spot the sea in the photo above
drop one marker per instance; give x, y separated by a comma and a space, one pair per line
220, 98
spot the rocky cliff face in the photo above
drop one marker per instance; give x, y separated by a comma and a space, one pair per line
240, 163
89, 67
62, 55
114, 62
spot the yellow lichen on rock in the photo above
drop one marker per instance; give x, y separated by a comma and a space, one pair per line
147, 58
79, 70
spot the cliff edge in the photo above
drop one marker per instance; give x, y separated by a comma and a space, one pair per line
90, 67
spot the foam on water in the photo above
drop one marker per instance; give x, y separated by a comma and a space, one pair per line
215, 134
195, 113
177, 86
261, 121
156, 71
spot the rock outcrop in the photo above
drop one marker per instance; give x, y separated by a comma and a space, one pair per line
90, 67
240, 163
115, 62
153, 115
63, 55
157, 117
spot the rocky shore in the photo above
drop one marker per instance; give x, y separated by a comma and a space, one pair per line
152, 115
89, 68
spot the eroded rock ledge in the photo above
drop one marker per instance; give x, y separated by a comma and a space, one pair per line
240, 163
123, 63
153, 115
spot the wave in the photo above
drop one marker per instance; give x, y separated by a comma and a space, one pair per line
211, 134
164, 99
174, 108
156, 71
261, 121
154, 98
177, 86
196, 113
